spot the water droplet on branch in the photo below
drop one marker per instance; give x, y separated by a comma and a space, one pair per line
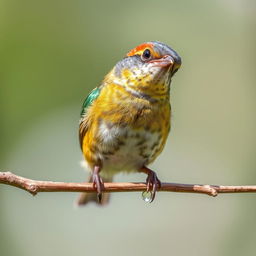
147, 196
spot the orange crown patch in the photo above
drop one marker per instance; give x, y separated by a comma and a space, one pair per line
140, 48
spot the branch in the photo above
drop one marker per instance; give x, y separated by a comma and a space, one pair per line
35, 186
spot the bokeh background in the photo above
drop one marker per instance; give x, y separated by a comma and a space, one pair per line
54, 52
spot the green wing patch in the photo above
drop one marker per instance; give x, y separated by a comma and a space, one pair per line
89, 100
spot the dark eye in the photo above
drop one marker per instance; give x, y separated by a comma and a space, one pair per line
146, 55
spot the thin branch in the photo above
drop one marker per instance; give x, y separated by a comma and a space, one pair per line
35, 186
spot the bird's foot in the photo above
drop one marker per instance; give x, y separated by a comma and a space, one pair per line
153, 183
97, 182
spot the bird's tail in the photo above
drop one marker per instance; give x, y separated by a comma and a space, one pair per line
85, 198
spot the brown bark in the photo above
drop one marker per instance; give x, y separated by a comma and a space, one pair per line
35, 186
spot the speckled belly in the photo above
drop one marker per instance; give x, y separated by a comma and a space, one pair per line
126, 149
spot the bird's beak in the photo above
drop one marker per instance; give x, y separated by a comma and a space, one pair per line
175, 68
165, 61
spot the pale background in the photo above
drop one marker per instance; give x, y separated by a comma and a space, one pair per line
54, 52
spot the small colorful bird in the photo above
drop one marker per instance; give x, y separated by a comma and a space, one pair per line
126, 120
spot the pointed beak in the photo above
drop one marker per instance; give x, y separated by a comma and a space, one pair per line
175, 67
168, 61
165, 61
176, 63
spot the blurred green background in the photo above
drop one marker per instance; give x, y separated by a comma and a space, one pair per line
54, 52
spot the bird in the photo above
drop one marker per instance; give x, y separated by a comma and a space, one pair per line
125, 121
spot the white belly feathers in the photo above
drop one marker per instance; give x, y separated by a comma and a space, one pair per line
124, 149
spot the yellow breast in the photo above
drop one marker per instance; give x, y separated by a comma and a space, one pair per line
125, 131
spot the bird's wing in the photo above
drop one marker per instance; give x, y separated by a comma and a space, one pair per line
83, 125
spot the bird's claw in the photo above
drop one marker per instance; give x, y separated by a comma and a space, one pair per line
153, 183
98, 183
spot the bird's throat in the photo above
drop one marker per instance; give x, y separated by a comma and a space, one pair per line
142, 84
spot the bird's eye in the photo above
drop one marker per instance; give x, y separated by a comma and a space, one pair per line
146, 55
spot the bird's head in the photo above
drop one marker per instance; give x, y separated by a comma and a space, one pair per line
147, 69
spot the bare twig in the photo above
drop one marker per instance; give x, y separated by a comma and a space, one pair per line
35, 186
